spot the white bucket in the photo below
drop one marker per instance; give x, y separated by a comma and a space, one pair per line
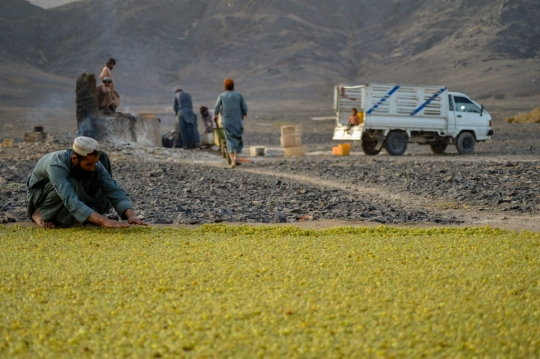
207, 139
256, 151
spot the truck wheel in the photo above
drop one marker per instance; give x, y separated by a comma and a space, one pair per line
396, 143
465, 143
369, 146
439, 148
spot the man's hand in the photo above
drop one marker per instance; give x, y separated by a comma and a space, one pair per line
109, 223
132, 218
215, 119
102, 221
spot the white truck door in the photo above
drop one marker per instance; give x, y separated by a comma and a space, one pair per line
451, 116
468, 115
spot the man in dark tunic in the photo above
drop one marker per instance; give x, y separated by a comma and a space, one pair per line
186, 120
76, 185
233, 109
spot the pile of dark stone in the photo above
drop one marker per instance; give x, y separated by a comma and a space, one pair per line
13, 175
274, 190
198, 193
481, 185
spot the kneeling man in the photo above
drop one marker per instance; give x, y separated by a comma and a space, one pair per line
75, 185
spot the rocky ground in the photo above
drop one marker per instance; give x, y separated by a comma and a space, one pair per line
204, 192
171, 186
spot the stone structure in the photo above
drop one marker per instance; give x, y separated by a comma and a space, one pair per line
87, 107
119, 127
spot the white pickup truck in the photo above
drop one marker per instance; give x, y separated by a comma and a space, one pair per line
395, 115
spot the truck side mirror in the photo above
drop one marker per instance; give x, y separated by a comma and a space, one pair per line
482, 110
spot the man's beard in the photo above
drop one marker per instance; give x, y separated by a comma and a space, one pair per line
81, 174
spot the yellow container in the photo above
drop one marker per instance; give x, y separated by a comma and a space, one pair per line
343, 149
346, 148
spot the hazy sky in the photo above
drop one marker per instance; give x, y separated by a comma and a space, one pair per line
50, 3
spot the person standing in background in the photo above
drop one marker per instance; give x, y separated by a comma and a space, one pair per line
233, 108
107, 73
208, 119
186, 124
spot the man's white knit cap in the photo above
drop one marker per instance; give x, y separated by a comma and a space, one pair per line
84, 145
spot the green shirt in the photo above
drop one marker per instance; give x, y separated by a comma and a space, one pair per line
56, 168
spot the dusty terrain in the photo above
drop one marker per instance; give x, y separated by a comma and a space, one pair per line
285, 56
497, 185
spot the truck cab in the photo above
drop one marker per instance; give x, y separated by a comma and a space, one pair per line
466, 115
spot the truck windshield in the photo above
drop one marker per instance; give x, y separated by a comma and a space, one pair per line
463, 104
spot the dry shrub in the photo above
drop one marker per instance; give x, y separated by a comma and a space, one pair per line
531, 117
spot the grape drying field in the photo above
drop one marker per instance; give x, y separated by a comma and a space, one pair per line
249, 291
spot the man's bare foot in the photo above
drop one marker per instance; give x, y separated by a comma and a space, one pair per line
36, 216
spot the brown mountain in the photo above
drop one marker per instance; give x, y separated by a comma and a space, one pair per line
284, 54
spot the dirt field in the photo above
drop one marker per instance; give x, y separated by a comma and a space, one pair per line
496, 186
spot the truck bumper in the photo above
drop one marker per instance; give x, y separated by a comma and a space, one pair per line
341, 133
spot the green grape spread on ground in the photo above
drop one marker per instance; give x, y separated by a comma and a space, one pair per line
244, 292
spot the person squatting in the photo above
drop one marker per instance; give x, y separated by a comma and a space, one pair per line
76, 185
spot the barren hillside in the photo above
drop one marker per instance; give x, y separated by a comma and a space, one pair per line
286, 55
